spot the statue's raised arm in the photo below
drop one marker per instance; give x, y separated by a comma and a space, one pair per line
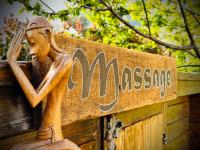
39, 34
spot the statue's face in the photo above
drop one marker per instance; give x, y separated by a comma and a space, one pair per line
39, 45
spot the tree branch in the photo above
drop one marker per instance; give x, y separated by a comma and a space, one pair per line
188, 30
90, 8
184, 48
188, 66
47, 6
145, 10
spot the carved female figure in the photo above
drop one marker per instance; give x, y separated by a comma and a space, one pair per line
39, 35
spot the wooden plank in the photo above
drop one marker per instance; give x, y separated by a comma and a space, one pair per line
138, 136
146, 126
88, 146
78, 104
176, 112
179, 99
6, 76
15, 112
129, 142
81, 132
188, 87
186, 76
177, 128
138, 114
156, 132
179, 143
120, 141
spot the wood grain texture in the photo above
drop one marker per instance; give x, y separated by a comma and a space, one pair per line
15, 112
177, 112
120, 141
177, 128
139, 114
188, 87
156, 132
88, 107
179, 143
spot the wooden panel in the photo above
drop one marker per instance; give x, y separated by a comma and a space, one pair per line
88, 146
188, 87
179, 143
138, 114
177, 128
15, 112
176, 112
129, 143
138, 136
186, 76
156, 132
6, 76
178, 100
120, 141
75, 107
146, 128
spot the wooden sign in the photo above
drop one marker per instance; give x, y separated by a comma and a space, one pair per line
108, 79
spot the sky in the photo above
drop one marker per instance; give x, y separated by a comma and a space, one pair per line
6, 9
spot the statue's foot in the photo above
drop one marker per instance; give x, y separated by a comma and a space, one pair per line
46, 145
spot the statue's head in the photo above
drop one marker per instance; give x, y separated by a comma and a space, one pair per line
39, 34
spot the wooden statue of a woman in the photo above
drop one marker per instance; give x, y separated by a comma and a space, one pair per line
39, 35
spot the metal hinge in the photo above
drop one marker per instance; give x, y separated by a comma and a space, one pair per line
165, 139
113, 127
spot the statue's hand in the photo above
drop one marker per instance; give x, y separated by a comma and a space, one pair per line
15, 46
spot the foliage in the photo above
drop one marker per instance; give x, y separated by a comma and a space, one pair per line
6, 35
166, 23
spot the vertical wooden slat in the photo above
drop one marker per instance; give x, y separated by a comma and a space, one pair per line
138, 136
129, 138
146, 134
156, 132
120, 141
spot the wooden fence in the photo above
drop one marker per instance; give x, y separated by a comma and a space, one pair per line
148, 114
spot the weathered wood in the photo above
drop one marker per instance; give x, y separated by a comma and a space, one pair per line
15, 112
120, 141
178, 100
6, 75
188, 87
187, 76
74, 108
177, 128
156, 132
146, 126
177, 112
138, 136
81, 132
129, 143
139, 114
179, 143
